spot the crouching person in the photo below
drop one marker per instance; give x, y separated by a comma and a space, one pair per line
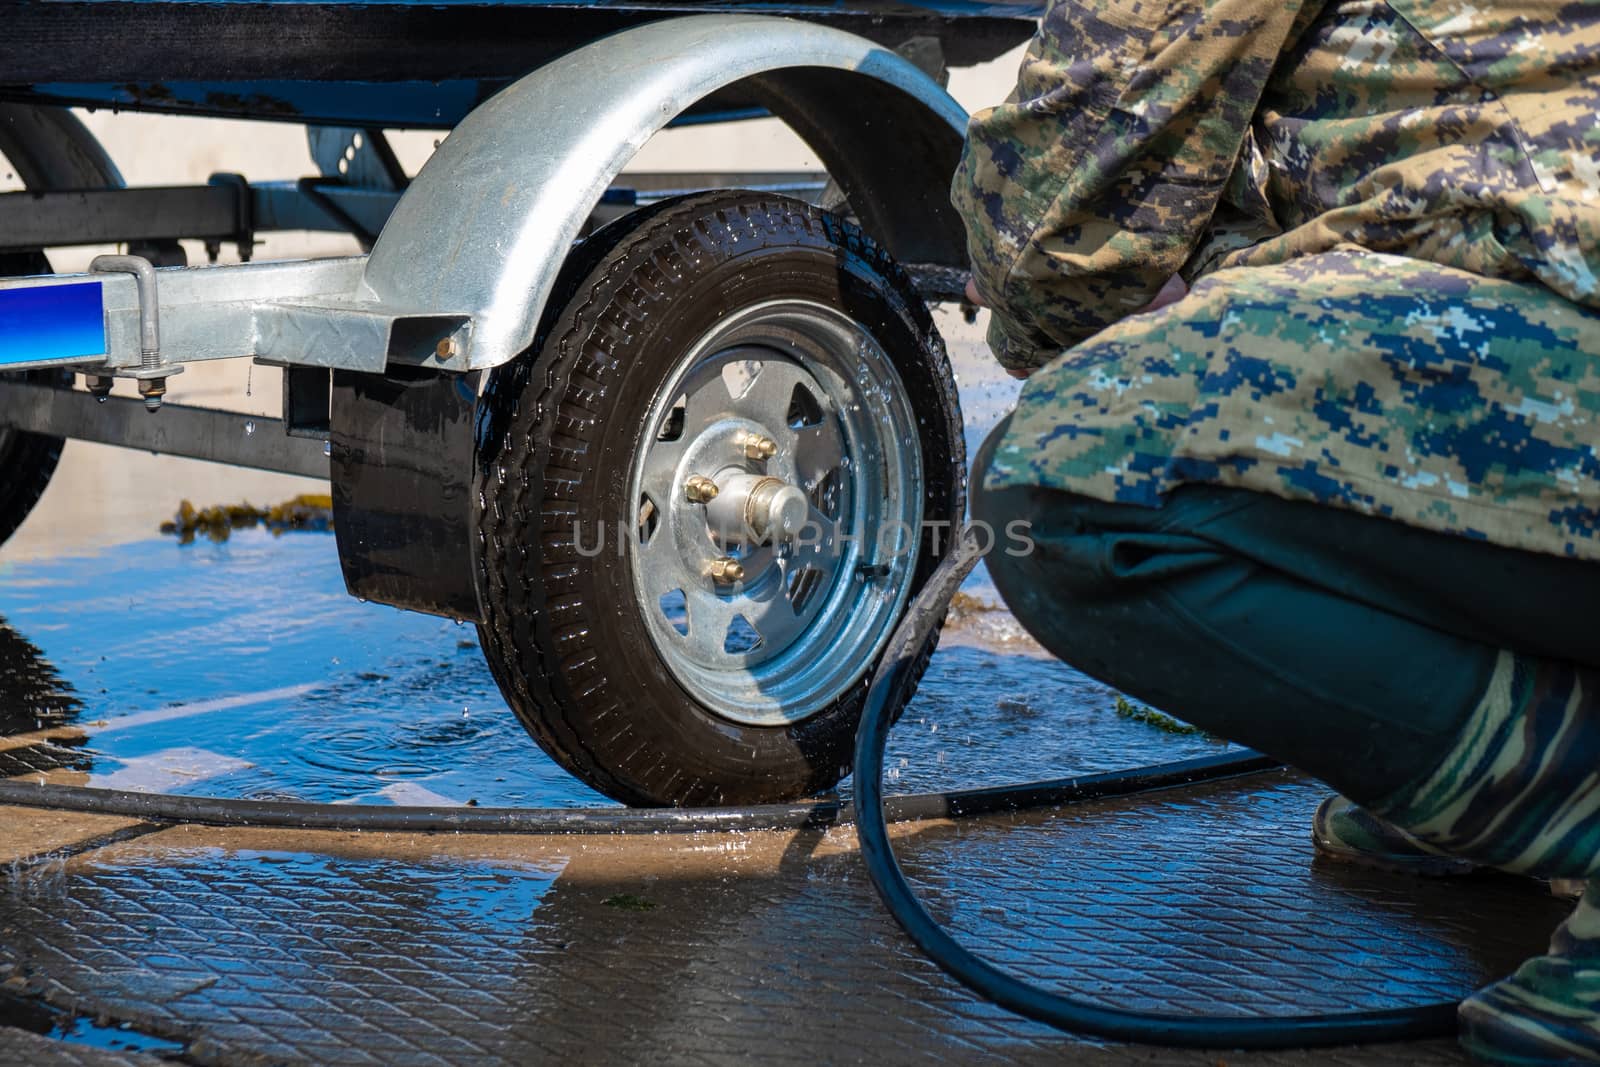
1306, 299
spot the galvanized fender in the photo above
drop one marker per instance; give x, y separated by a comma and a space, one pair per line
484, 227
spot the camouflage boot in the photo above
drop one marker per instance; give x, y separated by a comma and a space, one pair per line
1343, 830
1520, 792
1545, 1013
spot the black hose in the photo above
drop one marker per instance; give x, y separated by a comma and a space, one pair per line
223, 811
890, 687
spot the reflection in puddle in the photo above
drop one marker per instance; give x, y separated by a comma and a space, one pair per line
33, 695
84, 1031
243, 669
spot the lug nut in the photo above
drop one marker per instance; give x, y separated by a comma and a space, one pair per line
759, 446
699, 489
726, 569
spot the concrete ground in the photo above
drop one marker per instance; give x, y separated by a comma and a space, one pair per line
128, 661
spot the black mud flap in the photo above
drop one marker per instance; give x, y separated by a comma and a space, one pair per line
401, 464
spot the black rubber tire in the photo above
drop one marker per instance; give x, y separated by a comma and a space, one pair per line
562, 632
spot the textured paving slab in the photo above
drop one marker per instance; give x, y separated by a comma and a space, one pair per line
324, 948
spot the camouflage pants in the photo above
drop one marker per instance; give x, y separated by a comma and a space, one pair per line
1355, 648
1331, 510
1387, 386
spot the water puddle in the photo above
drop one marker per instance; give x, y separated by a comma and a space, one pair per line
115, 1038
243, 669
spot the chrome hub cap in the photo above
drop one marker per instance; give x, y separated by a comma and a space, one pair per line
779, 508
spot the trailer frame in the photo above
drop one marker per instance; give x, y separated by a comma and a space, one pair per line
401, 365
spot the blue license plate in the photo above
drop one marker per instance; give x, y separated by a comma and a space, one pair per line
52, 322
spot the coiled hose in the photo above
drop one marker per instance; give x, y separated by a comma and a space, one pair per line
888, 691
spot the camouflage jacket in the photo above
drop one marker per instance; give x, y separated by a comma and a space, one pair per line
1450, 378
1152, 137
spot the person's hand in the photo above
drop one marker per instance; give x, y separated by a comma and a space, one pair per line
973, 296
1172, 292
976, 300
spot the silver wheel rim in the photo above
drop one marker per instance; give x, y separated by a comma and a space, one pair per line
810, 612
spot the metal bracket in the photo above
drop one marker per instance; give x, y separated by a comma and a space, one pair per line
151, 373
314, 189
243, 212
355, 156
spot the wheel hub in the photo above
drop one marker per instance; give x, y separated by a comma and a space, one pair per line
768, 466
756, 509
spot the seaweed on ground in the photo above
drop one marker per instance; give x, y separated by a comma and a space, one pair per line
629, 902
1127, 709
308, 511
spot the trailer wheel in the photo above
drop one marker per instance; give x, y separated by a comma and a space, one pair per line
707, 495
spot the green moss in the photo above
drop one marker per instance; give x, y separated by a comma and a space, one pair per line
1127, 709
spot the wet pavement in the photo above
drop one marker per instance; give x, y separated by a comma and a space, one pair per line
178, 673
160, 667
242, 669
251, 946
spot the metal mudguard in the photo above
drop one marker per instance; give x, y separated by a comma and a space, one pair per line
483, 229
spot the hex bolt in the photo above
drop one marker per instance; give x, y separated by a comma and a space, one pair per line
760, 446
725, 569
699, 489
100, 386
446, 349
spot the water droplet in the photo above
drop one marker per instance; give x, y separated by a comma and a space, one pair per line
327, 448
249, 427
